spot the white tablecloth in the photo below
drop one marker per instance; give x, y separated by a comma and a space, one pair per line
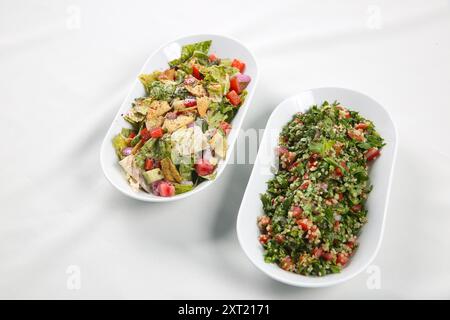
65, 67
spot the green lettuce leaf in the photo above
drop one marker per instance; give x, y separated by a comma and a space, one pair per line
185, 170
219, 74
215, 118
153, 148
182, 188
161, 91
243, 95
148, 79
119, 143
190, 50
147, 151
126, 132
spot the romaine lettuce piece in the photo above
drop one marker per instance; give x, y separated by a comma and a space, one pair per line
148, 79
243, 95
161, 91
153, 148
119, 143
185, 170
126, 132
182, 188
214, 118
217, 74
147, 151
190, 50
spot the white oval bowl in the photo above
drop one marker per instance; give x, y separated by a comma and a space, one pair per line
380, 175
222, 46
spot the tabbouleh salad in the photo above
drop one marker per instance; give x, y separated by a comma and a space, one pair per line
314, 206
179, 129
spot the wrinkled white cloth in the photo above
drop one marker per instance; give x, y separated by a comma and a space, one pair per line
66, 66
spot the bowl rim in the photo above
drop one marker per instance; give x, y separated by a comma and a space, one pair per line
325, 280
206, 184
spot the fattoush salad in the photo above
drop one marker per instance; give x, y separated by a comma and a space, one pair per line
314, 206
178, 130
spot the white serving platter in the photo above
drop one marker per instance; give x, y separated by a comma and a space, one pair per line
380, 175
222, 46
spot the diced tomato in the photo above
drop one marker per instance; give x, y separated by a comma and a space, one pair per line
234, 98
303, 224
356, 208
263, 238
156, 132
357, 135
166, 189
279, 238
239, 65
234, 84
362, 125
148, 164
293, 165
343, 113
297, 212
145, 134
338, 171
341, 259
225, 126
287, 264
350, 244
132, 135
196, 73
290, 156
212, 57
304, 185
341, 197
327, 256
317, 252
372, 153
203, 167
312, 164
190, 102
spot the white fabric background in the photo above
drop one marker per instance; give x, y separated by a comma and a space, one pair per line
61, 84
